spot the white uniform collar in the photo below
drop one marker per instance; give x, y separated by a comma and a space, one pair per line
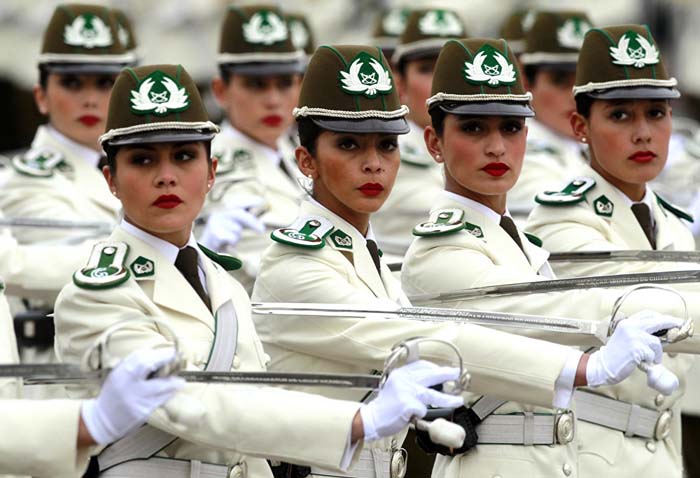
167, 249
370, 232
476, 206
648, 198
91, 156
271, 154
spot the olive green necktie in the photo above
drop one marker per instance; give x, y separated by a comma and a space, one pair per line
186, 263
374, 252
508, 225
643, 214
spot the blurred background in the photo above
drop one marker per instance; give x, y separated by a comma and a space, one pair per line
187, 31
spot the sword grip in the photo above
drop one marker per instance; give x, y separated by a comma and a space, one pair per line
659, 377
443, 432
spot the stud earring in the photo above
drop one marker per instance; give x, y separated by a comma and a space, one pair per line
438, 156
584, 140
307, 184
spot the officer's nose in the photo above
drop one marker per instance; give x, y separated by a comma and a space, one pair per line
165, 175
495, 146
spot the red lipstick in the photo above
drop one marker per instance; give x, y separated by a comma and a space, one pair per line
272, 120
89, 120
167, 201
496, 169
371, 189
642, 156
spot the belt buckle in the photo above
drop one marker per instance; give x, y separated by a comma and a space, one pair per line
663, 425
564, 427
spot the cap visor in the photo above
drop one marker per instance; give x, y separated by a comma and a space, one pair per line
478, 108
165, 136
271, 68
85, 68
636, 93
366, 125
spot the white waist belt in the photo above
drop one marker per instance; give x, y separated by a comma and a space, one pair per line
633, 420
526, 429
372, 463
167, 468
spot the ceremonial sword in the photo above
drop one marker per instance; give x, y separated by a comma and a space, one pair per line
54, 223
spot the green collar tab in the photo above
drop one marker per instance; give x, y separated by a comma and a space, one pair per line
341, 240
675, 210
474, 230
308, 232
229, 263
603, 206
441, 222
533, 239
105, 267
573, 193
142, 267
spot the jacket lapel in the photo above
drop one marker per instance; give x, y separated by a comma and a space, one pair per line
665, 240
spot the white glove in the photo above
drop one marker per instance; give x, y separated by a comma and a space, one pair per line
406, 395
225, 227
128, 396
630, 344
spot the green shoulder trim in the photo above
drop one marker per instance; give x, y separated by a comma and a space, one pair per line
229, 263
38, 163
230, 160
573, 193
441, 222
411, 155
105, 268
533, 239
675, 210
308, 232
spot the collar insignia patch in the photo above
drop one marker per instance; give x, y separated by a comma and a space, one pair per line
366, 76
341, 240
489, 67
634, 50
474, 230
87, 31
440, 23
143, 267
158, 94
603, 206
266, 28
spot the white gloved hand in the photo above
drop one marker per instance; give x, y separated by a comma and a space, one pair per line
225, 227
128, 396
631, 343
406, 395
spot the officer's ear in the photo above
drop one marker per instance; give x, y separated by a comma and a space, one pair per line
579, 126
111, 182
306, 162
434, 144
40, 99
218, 88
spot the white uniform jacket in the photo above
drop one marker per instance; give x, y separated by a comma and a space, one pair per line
250, 169
230, 424
419, 181
602, 220
56, 179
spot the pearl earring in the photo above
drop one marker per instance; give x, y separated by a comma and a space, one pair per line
584, 140
438, 156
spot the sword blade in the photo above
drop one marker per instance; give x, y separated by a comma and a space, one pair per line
597, 329
620, 280
53, 223
626, 256
44, 374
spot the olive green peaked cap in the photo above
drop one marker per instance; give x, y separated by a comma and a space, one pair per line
425, 33
125, 30
155, 104
555, 38
622, 62
349, 88
301, 33
388, 27
256, 40
513, 32
83, 38
479, 76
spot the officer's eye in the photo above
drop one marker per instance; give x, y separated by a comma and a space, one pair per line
70, 82
426, 68
512, 126
472, 126
347, 143
389, 144
255, 83
141, 160
105, 82
185, 155
618, 115
562, 79
285, 82
657, 112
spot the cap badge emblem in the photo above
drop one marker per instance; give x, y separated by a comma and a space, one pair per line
88, 31
634, 50
123, 35
489, 67
394, 22
158, 94
366, 76
299, 33
265, 28
440, 23
571, 33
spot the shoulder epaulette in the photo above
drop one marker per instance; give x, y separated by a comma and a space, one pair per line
441, 222
237, 159
533, 239
105, 268
538, 147
229, 263
412, 156
675, 210
309, 232
573, 193
38, 163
